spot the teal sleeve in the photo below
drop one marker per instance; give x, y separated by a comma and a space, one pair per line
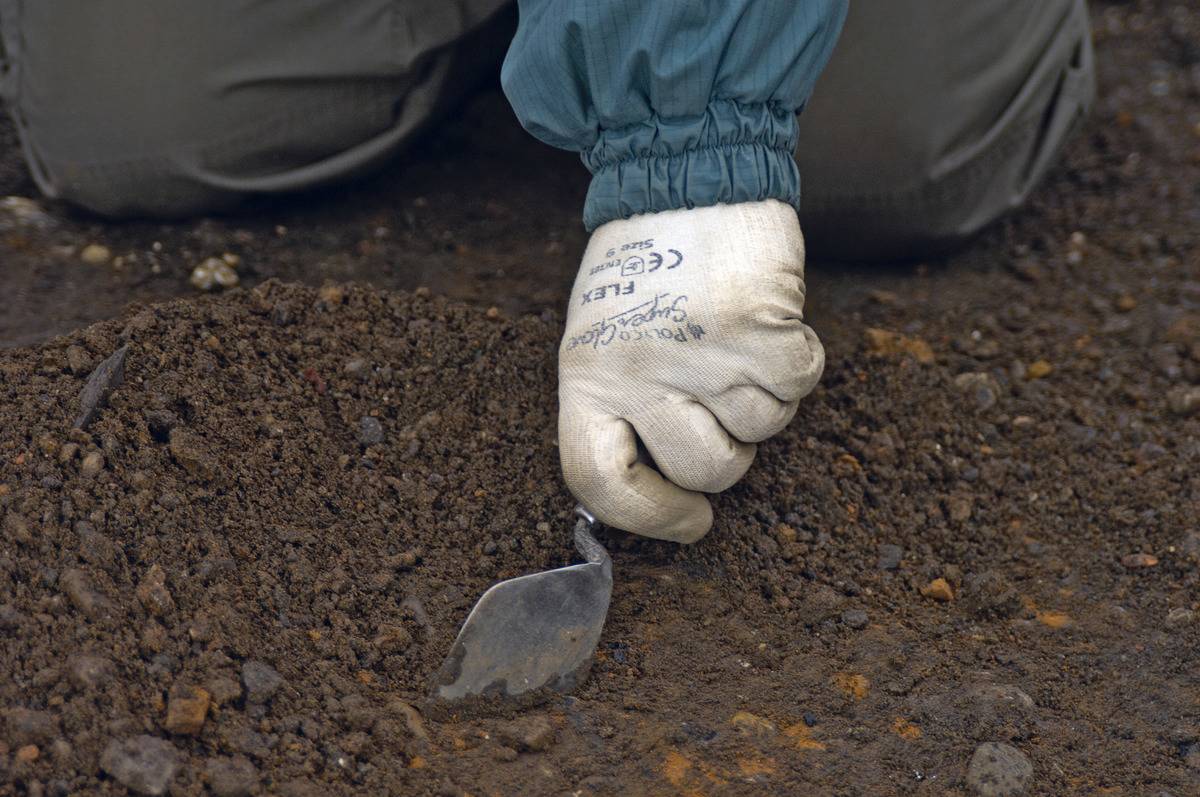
672, 103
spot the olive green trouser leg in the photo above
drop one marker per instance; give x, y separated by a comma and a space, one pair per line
174, 107
935, 117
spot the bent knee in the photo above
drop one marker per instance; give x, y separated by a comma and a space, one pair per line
902, 156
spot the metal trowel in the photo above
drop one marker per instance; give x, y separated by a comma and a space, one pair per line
536, 631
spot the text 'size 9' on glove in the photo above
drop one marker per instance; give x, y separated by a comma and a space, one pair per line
685, 332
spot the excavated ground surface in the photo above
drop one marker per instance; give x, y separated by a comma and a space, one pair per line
228, 522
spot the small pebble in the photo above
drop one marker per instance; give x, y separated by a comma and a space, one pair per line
370, 431
153, 594
1184, 401
1180, 616
143, 764
1038, 370
231, 776
92, 465
222, 690
95, 254
261, 681
27, 754
213, 273
331, 295
78, 360
855, 618
78, 588
938, 589
1137, 560
999, 770
187, 707
890, 557
22, 213
357, 367
89, 672
528, 734
982, 389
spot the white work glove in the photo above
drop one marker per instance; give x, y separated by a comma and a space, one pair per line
684, 332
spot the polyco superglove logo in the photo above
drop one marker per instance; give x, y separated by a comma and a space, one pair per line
661, 318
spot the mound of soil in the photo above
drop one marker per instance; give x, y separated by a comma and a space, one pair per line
263, 544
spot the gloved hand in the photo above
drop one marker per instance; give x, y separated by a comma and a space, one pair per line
684, 332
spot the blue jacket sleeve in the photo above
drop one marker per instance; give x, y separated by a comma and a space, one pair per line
672, 103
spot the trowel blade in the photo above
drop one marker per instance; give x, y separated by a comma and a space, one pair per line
530, 632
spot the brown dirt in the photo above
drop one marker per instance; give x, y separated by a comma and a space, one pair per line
236, 517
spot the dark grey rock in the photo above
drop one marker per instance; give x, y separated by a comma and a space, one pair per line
261, 681
999, 770
105, 378
855, 618
370, 431
143, 764
231, 777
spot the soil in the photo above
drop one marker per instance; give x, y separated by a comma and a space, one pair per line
981, 528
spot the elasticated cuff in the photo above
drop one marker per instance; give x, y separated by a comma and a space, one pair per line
732, 153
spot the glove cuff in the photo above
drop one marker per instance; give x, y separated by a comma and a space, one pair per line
730, 154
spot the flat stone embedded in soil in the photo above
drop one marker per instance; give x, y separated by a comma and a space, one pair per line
143, 764
999, 770
105, 378
261, 681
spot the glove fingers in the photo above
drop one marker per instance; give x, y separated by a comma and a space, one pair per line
750, 413
600, 465
691, 448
